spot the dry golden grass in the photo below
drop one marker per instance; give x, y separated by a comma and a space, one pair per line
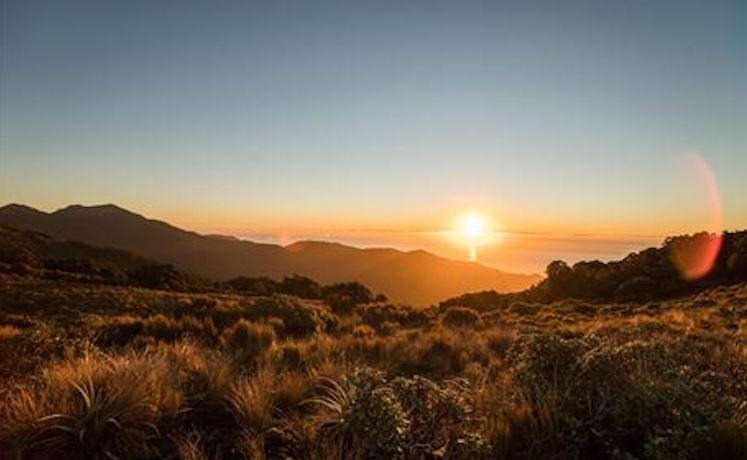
8, 332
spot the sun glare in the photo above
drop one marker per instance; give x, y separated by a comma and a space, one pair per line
473, 226
473, 230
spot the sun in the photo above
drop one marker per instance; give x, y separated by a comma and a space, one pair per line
473, 226
472, 230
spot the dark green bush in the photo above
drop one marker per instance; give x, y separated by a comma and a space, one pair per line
164, 276
638, 399
461, 317
438, 415
364, 410
343, 297
377, 315
300, 318
300, 286
261, 286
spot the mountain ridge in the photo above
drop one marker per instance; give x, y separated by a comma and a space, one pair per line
416, 277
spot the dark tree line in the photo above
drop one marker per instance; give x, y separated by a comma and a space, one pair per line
341, 296
646, 275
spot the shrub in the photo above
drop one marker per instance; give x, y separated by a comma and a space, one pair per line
636, 287
364, 410
300, 286
525, 308
378, 315
481, 301
499, 340
168, 277
343, 297
461, 317
437, 354
403, 418
437, 414
634, 399
646, 405
300, 318
254, 286
544, 362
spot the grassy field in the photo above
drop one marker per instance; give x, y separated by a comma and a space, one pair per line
92, 371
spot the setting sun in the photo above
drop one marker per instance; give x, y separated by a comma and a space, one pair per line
473, 230
473, 226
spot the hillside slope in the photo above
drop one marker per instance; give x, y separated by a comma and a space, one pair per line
32, 248
415, 277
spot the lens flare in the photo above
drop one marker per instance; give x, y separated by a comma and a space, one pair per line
694, 257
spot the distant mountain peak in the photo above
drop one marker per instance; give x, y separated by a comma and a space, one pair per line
106, 209
17, 208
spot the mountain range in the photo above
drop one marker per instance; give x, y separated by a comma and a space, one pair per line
416, 277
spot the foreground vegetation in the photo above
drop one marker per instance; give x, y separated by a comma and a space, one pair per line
97, 371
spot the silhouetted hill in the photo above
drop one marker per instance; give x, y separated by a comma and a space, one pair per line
35, 255
112, 226
650, 274
223, 237
397, 273
35, 249
415, 277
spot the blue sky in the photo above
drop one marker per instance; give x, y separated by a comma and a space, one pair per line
238, 115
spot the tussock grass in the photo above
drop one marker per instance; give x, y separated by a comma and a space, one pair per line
247, 341
98, 405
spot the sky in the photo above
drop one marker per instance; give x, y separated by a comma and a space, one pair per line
273, 118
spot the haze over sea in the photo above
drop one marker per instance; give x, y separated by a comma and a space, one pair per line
516, 252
